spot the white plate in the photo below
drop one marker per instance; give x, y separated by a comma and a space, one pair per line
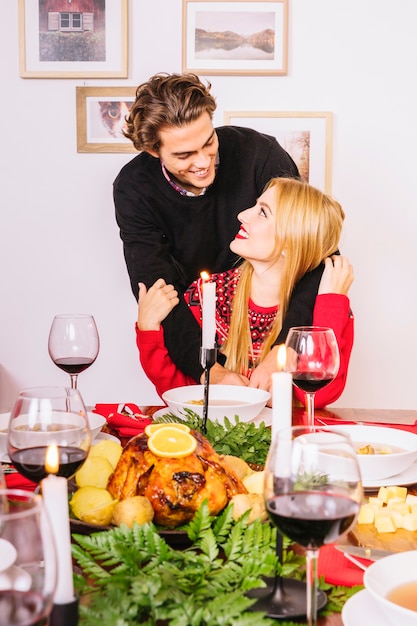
264, 416
362, 607
408, 477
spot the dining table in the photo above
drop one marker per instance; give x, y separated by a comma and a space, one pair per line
336, 416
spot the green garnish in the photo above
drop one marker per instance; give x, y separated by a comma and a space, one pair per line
132, 576
246, 440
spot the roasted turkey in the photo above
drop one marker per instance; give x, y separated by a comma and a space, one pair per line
176, 487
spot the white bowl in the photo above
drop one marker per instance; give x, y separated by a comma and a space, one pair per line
403, 445
224, 401
96, 424
385, 575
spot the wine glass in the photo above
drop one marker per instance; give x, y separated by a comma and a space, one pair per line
313, 492
73, 343
28, 569
42, 417
312, 359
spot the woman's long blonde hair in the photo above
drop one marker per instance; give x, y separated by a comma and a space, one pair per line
308, 225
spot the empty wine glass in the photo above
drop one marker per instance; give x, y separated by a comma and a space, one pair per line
73, 343
312, 359
313, 492
44, 416
28, 570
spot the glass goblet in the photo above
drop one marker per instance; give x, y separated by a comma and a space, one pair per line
313, 492
73, 343
42, 417
313, 360
27, 560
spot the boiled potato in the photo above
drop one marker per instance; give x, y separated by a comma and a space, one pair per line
136, 509
93, 505
254, 483
94, 472
239, 466
108, 449
253, 501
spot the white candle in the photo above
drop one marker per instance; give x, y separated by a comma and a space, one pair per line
281, 394
55, 497
209, 312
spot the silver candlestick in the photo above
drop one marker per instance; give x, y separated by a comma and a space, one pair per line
208, 357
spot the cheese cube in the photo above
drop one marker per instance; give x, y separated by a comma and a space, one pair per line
398, 518
366, 514
411, 499
396, 492
393, 502
413, 508
376, 501
383, 494
385, 524
410, 521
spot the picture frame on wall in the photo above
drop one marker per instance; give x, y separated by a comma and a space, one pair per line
101, 113
58, 39
237, 37
305, 135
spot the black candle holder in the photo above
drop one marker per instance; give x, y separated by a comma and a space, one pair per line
208, 357
64, 614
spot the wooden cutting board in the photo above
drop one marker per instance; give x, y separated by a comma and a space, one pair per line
366, 535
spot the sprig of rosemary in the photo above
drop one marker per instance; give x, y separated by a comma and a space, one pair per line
244, 439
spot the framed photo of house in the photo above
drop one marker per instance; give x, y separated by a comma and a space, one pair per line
73, 38
305, 135
235, 37
101, 113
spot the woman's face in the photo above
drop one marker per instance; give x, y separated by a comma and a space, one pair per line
256, 239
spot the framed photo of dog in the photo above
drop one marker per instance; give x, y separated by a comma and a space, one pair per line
305, 135
235, 37
58, 39
101, 113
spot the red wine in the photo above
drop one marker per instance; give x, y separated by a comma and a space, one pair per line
310, 518
311, 382
30, 462
74, 364
22, 608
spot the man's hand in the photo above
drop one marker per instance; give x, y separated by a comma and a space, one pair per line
337, 276
219, 375
155, 304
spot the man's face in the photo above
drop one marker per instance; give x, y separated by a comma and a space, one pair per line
189, 153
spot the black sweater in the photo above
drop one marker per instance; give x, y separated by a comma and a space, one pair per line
175, 237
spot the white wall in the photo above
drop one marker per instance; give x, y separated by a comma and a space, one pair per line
59, 244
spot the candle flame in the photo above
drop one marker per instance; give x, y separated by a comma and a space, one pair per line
282, 357
52, 459
204, 275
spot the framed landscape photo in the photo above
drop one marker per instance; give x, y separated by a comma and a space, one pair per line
305, 135
235, 37
73, 38
101, 113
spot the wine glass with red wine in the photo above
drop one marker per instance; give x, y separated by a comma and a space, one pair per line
27, 560
73, 343
46, 416
313, 492
312, 359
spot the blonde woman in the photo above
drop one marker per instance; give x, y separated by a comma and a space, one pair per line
290, 231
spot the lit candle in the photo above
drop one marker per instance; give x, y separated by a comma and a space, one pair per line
209, 311
55, 497
281, 394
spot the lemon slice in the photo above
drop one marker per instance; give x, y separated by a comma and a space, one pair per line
152, 428
171, 442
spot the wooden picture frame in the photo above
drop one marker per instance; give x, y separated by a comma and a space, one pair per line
55, 42
237, 37
100, 115
305, 135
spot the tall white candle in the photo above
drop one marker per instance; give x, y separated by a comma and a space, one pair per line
209, 312
281, 394
55, 497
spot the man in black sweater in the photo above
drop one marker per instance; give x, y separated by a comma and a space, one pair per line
177, 204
